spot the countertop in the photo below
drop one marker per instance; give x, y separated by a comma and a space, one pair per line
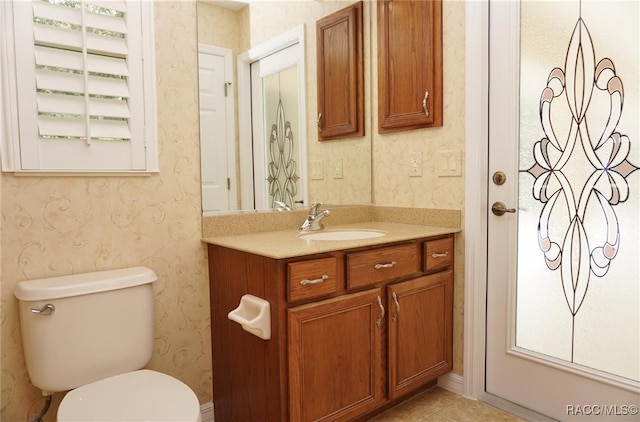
289, 243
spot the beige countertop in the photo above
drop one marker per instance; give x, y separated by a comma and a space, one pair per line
290, 243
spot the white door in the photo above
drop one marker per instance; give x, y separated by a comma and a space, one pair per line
278, 129
217, 130
563, 298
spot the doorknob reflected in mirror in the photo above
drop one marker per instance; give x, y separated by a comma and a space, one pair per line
499, 208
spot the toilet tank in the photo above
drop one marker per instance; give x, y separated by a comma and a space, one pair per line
102, 325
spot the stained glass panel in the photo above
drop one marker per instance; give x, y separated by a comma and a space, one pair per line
578, 295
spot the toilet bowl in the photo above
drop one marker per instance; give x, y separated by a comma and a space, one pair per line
142, 395
92, 334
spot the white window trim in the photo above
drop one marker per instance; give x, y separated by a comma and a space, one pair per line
10, 149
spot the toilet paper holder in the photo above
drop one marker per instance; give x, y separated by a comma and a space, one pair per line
254, 315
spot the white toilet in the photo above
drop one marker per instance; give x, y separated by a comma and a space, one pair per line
92, 333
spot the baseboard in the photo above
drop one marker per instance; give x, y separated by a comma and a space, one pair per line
514, 409
207, 412
452, 382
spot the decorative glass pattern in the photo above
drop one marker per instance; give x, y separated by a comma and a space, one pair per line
582, 171
282, 176
281, 135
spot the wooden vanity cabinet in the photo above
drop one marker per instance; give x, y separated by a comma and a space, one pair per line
339, 351
249, 374
409, 64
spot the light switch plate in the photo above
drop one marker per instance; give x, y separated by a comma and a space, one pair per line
317, 169
450, 163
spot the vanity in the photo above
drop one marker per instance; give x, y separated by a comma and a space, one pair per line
358, 323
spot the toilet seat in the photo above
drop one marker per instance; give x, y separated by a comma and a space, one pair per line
142, 395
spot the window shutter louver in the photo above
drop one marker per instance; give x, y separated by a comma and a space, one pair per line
80, 76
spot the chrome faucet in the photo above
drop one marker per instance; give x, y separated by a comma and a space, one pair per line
314, 219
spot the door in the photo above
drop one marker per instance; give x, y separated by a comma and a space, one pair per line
217, 130
563, 299
277, 113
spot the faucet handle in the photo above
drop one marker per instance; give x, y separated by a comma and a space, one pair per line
314, 208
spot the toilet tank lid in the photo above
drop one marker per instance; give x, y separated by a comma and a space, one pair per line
82, 284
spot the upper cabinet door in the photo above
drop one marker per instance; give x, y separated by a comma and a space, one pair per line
340, 74
409, 64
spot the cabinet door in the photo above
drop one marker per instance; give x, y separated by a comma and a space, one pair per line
335, 357
409, 64
420, 331
340, 74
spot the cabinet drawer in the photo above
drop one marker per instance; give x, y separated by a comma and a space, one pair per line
370, 267
438, 254
317, 277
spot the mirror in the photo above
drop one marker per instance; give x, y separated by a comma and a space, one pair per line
338, 171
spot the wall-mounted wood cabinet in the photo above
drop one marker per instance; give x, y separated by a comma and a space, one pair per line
409, 64
340, 74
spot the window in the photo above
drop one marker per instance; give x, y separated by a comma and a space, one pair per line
78, 86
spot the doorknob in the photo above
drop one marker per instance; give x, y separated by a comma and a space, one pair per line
499, 208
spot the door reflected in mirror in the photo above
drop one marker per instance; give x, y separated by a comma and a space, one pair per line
217, 130
279, 161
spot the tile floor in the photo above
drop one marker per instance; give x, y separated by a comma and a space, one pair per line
439, 405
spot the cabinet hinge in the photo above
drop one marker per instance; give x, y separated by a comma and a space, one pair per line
226, 88
228, 183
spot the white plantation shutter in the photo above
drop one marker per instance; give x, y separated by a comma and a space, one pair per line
81, 85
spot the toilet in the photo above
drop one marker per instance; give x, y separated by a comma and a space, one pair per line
92, 334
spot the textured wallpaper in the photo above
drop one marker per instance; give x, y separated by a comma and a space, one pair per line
63, 225
392, 185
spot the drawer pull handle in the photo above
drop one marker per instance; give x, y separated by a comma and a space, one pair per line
395, 300
440, 255
379, 320
388, 265
316, 281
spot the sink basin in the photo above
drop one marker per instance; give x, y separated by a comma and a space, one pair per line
342, 235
